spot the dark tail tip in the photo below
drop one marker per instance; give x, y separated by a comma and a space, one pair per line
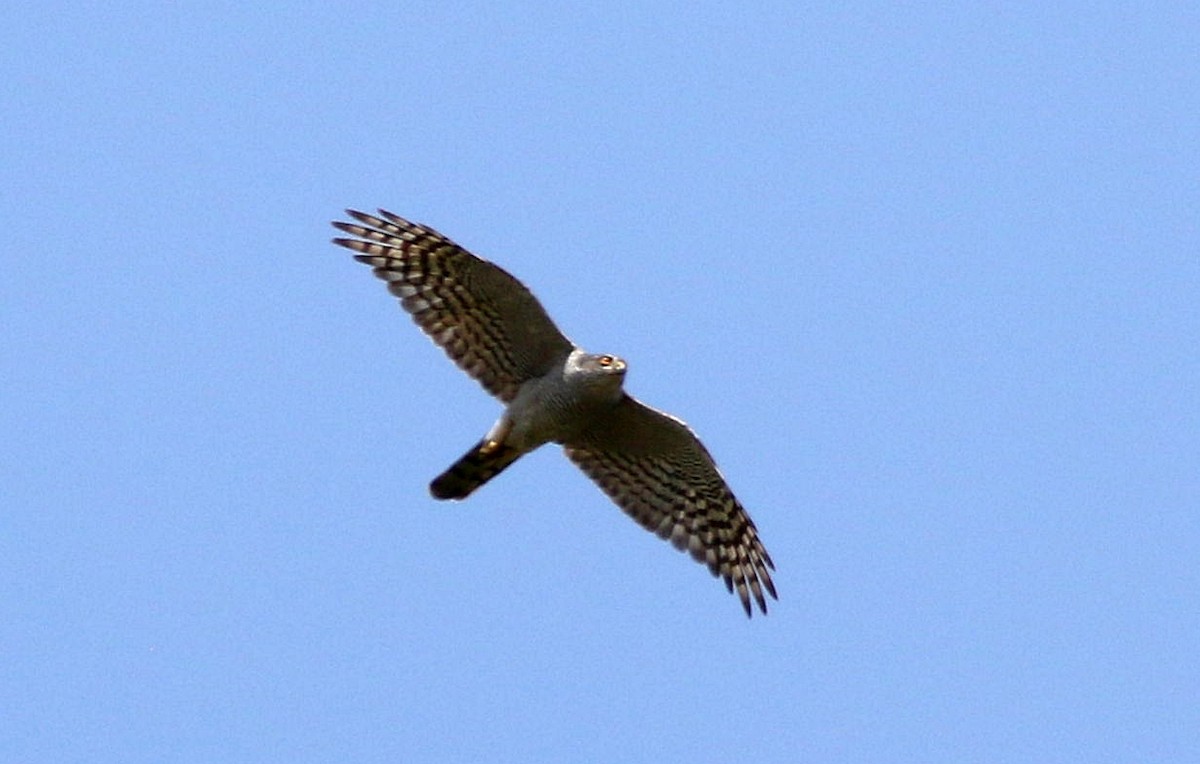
449, 486
472, 470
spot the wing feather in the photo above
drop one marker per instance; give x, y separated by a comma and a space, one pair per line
486, 320
656, 469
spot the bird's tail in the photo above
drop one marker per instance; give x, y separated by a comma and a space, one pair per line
474, 468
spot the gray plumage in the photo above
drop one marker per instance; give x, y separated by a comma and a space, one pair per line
491, 325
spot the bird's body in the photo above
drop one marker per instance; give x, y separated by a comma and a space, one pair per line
491, 325
556, 408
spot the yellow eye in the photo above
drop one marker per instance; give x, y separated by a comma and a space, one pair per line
606, 360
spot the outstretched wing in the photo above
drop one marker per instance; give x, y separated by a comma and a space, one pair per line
489, 323
653, 466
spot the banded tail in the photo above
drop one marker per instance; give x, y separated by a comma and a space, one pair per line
474, 468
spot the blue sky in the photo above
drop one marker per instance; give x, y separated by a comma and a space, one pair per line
924, 278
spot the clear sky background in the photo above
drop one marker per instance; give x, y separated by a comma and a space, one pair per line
924, 278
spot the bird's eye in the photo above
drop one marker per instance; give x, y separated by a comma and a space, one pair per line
606, 360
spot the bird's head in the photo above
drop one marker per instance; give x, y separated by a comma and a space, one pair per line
598, 371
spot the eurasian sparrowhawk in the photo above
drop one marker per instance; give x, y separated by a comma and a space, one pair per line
491, 325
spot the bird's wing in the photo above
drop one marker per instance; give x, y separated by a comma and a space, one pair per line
489, 323
655, 468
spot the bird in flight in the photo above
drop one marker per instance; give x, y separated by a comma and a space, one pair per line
648, 462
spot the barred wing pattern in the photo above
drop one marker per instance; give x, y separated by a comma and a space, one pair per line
486, 320
655, 468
